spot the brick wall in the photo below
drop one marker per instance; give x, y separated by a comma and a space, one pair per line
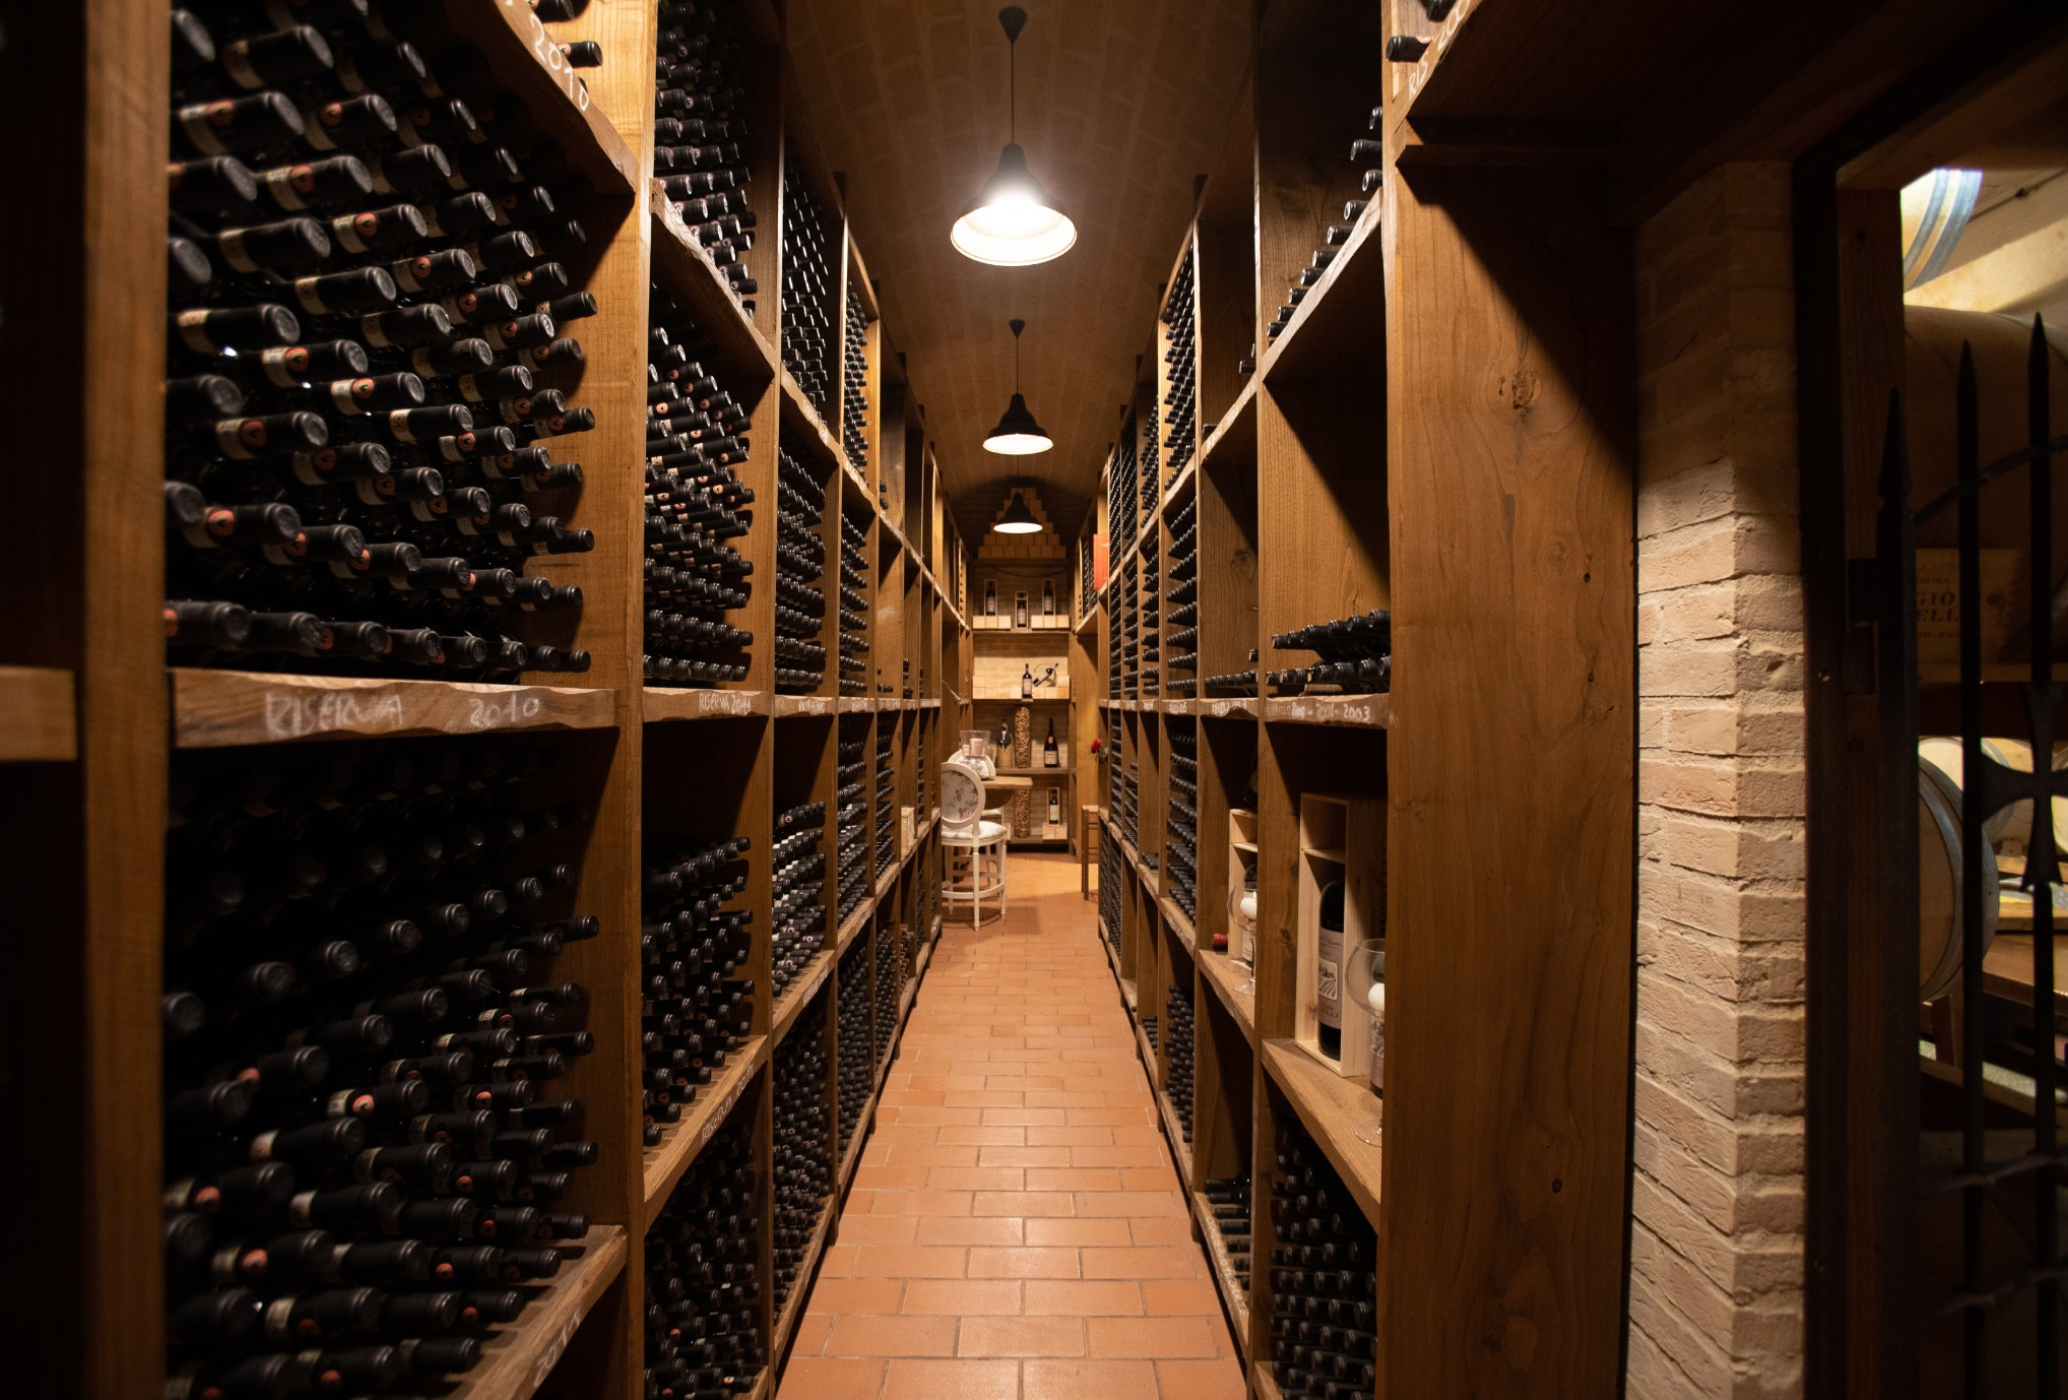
1716, 1239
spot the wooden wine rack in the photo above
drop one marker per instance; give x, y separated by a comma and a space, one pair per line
92, 712
1352, 470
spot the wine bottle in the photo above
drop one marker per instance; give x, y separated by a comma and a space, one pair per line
1328, 970
1051, 755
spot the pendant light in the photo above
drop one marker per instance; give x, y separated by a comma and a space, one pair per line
1017, 520
1013, 222
1017, 434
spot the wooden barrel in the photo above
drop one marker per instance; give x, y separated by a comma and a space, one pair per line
1939, 883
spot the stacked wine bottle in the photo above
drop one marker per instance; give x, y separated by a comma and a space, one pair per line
1356, 656
1148, 478
1120, 498
1368, 159
1324, 1288
798, 892
1181, 852
1116, 647
800, 569
1177, 1081
854, 392
1181, 383
366, 355
811, 284
1149, 561
696, 439
886, 803
1087, 592
1130, 628
854, 609
856, 1080
363, 1141
694, 1011
1229, 1199
1181, 593
699, 133
1110, 872
1152, 1029
703, 1284
802, 1169
1233, 682
888, 985
851, 816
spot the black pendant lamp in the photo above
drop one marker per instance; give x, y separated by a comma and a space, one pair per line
1017, 434
1012, 222
1017, 520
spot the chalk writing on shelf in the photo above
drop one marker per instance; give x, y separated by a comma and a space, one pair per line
297, 714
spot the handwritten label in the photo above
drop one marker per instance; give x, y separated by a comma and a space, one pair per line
503, 711
297, 715
724, 1112
551, 58
729, 702
550, 1357
304, 714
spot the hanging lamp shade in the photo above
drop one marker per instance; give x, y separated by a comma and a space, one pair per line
1017, 433
1017, 520
1013, 222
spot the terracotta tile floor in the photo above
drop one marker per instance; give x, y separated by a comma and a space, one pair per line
1016, 1228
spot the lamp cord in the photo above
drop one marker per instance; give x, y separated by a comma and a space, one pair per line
1012, 108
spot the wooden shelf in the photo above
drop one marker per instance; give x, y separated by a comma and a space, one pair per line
1334, 1110
685, 271
1217, 707
855, 923
1233, 439
800, 1288
38, 715
1993, 673
1173, 1130
1188, 936
1265, 1383
516, 1360
802, 988
665, 704
1336, 320
1036, 772
715, 1102
1346, 711
787, 705
217, 709
1233, 1293
1227, 978
523, 57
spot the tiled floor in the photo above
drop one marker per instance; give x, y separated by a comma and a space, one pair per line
1016, 1230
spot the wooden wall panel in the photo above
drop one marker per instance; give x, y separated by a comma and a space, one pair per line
1510, 443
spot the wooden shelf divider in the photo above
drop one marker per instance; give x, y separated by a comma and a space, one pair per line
220, 709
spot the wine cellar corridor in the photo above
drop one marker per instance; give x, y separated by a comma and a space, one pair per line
883, 699
1017, 1227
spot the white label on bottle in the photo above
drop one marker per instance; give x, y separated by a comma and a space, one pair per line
230, 243
306, 291
1328, 978
192, 330
280, 1318
1378, 1053
196, 122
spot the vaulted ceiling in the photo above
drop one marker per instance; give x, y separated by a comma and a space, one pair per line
1121, 104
